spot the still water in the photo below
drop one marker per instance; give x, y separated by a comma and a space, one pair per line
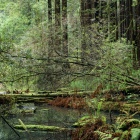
45, 115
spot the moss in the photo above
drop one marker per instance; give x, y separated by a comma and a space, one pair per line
83, 121
88, 119
27, 111
40, 128
117, 106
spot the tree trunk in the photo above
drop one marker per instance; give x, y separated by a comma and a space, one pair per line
65, 51
49, 28
138, 32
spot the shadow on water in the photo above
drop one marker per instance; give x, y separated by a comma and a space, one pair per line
45, 115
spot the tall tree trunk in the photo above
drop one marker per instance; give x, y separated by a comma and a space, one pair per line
64, 28
83, 23
50, 50
86, 17
58, 32
118, 20
108, 13
138, 32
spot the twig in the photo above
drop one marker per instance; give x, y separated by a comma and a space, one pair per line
110, 116
10, 126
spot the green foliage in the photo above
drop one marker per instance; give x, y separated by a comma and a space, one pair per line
85, 83
103, 136
115, 64
88, 119
135, 133
124, 135
99, 105
12, 28
96, 106
28, 37
78, 84
134, 2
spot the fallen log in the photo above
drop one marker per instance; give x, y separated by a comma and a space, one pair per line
42, 98
125, 91
40, 128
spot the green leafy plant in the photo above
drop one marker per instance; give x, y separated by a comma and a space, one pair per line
110, 67
78, 84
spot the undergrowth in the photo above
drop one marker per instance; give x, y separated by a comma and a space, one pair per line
88, 131
69, 102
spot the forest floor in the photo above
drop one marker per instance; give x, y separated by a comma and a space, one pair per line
124, 101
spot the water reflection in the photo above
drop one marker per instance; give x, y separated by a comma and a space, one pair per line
46, 115
6, 133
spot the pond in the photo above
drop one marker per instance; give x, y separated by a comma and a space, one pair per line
44, 114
